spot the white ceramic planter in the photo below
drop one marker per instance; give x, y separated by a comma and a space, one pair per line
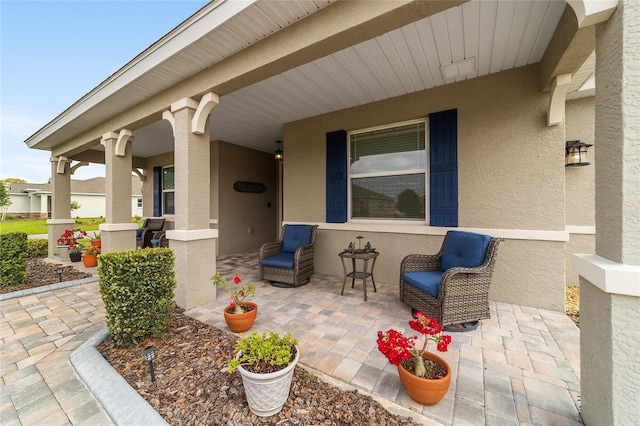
267, 393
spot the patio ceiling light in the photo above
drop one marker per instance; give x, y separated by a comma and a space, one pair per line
278, 154
576, 154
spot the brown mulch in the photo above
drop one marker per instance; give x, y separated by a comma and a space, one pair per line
41, 272
573, 303
193, 386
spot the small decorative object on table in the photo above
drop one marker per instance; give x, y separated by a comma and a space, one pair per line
239, 315
425, 376
266, 363
352, 247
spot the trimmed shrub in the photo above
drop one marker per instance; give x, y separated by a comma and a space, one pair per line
137, 288
37, 248
13, 258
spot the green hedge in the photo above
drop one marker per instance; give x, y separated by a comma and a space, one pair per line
137, 288
37, 248
13, 258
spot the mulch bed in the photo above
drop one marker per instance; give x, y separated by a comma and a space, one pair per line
193, 386
41, 272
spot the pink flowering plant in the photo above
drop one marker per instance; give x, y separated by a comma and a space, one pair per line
398, 348
236, 289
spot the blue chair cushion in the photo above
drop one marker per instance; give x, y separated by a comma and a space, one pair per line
139, 232
464, 249
279, 260
429, 282
295, 236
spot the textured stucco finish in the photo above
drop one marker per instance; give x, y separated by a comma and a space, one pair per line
195, 265
610, 371
511, 175
60, 206
239, 211
618, 135
577, 244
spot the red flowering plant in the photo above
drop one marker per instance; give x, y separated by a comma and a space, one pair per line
398, 348
237, 291
70, 239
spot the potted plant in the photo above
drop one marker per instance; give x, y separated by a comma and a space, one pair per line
95, 240
239, 315
266, 363
69, 239
425, 376
90, 256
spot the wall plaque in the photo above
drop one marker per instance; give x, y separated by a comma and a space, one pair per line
253, 187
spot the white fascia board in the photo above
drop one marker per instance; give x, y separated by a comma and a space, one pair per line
609, 276
202, 22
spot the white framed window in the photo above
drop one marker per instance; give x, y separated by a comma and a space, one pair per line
388, 172
168, 190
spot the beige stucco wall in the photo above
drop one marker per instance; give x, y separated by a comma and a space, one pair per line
239, 211
580, 184
511, 176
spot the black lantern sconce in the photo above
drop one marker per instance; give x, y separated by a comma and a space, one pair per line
576, 154
278, 154
59, 271
149, 354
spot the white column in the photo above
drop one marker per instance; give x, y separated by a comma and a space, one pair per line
60, 202
610, 279
193, 242
118, 231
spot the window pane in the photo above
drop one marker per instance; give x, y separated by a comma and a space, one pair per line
391, 149
401, 197
168, 178
168, 205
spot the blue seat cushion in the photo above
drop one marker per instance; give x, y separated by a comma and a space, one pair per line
295, 236
429, 282
139, 232
279, 260
464, 249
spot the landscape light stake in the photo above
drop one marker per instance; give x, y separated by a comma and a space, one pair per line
59, 271
149, 354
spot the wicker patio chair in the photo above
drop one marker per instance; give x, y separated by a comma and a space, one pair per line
452, 285
149, 228
289, 260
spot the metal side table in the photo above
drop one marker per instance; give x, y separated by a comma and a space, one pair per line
364, 274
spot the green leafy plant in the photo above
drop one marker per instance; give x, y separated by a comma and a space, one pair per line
91, 250
96, 236
236, 291
137, 288
37, 247
13, 258
266, 352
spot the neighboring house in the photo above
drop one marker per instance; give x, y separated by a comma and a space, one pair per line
463, 106
34, 199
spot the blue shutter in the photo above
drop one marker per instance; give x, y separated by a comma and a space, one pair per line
336, 203
443, 168
157, 191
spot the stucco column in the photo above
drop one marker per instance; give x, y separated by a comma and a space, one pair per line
60, 202
192, 240
118, 231
610, 279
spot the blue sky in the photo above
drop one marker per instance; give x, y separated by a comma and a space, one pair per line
54, 52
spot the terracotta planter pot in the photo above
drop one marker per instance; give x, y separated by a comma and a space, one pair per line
90, 260
241, 322
96, 243
426, 391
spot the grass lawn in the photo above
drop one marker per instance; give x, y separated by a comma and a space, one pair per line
39, 226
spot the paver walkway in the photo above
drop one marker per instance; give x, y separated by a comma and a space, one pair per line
38, 332
519, 367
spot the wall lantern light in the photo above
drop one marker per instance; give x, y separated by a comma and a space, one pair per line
278, 154
149, 354
576, 154
59, 271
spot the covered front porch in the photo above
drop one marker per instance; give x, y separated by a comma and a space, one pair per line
520, 366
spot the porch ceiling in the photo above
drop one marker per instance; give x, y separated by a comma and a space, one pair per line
468, 41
